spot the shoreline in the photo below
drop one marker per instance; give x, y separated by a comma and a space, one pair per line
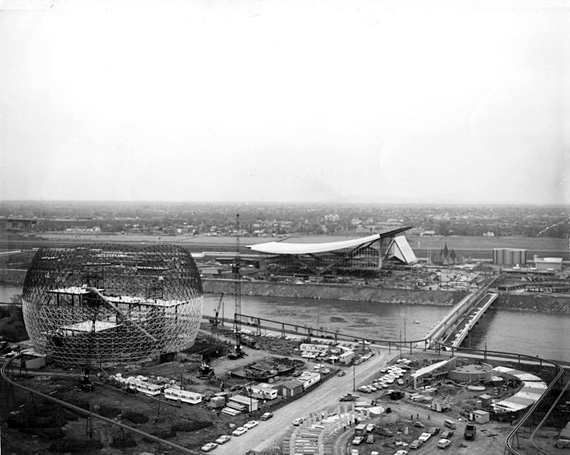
529, 303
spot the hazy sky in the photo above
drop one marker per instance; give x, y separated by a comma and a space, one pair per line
371, 101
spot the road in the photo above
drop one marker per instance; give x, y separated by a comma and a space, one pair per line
268, 434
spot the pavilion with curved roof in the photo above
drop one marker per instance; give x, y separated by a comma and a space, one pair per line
340, 257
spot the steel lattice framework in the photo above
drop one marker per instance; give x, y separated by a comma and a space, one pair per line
112, 304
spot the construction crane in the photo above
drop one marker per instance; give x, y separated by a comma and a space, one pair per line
237, 294
216, 321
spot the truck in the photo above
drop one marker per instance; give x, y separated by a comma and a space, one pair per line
470, 431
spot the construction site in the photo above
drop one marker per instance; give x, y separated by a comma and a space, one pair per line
122, 360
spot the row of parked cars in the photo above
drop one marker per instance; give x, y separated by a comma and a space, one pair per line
443, 443
391, 374
237, 432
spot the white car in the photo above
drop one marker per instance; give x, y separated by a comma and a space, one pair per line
251, 424
223, 439
401, 452
298, 421
443, 443
209, 447
239, 431
424, 437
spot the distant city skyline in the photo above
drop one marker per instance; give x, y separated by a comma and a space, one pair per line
305, 101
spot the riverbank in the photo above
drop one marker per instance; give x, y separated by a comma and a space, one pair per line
335, 292
536, 303
12, 277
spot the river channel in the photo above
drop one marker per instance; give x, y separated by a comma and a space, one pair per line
544, 334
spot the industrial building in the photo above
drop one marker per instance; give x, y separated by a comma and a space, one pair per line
344, 257
547, 263
111, 304
509, 256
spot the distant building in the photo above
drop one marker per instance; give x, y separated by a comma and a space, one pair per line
447, 257
547, 263
509, 256
345, 257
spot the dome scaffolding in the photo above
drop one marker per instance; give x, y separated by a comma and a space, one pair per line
112, 304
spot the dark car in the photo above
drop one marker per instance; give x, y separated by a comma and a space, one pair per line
433, 430
349, 397
266, 416
447, 434
416, 444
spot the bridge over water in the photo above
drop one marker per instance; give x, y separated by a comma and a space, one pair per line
452, 329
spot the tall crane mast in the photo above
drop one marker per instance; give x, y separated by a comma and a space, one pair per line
237, 291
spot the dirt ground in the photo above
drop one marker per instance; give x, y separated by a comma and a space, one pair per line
30, 426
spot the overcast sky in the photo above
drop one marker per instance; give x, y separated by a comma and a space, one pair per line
323, 101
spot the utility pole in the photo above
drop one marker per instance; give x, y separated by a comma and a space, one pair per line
353, 378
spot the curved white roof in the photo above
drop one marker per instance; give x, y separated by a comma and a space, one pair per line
310, 248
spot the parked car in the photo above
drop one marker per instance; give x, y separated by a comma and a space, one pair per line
424, 437
416, 444
223, 439
385, 432
341, 373
357, 440
251, 424
298, 421
370, 427
266, 416
370, 439
401, 452
443, 443
447, 434
419, 424
353, 451
239, 431
433, 430
209, 447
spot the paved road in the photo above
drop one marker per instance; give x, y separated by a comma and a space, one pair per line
268, 434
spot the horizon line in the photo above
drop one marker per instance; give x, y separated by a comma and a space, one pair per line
328, 203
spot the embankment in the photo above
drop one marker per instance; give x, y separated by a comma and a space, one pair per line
536, 303
12, 277
336, 292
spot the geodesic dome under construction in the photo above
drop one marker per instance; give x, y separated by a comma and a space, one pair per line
112, 304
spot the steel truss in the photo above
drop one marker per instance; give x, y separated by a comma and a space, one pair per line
112, 304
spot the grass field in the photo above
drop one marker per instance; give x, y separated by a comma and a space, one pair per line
421, 245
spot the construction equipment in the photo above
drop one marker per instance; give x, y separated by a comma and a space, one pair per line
216, 320
237, 293
206, 371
